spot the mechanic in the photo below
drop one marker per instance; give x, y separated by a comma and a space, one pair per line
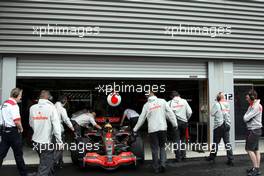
63, 116
84, 120
85, 110
132, 116
155, 110
253, 120
222, 123
45, 123
11, 130
183, 113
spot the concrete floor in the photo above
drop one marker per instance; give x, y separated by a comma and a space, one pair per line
31, 156
190, 167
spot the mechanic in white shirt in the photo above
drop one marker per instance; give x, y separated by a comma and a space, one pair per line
131, 115
63, 116
45, 123
83, 120
10, 120
156, 111
183, 112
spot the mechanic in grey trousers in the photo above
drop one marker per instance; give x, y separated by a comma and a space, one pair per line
156, 110
45, 123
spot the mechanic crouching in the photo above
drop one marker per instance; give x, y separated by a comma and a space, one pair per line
83, 121
45, 123
155, 111
131, 115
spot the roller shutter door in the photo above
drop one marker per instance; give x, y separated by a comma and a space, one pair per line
249, 70
110, 68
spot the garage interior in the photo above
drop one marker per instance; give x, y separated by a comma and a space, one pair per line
84, 93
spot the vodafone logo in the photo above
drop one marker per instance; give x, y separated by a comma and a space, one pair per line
114, 99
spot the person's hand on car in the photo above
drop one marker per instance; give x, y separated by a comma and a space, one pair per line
134, 133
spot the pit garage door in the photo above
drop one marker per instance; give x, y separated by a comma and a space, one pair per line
249, 70
96, 67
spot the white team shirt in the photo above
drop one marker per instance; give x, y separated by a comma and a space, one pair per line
156, 111
130, 113
9, 113
181, 108
63, 116
45, 122
85, 119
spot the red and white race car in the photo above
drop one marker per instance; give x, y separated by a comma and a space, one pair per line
108, 148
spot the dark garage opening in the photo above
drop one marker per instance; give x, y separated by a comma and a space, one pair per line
84, 93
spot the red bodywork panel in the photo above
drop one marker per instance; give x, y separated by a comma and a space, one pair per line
109, 159
101, 160
111, 119
108, 135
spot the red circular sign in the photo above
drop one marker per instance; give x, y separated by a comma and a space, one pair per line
114, 99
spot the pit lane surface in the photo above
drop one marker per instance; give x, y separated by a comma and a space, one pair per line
190, 167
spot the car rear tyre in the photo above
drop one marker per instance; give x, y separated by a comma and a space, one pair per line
137, 147
78, 155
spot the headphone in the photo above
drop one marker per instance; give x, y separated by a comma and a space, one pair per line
252, 95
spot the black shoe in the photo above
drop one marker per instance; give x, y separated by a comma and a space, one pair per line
156, 171
60, 164
162, 169
254, 172
209, 159
250, 170
230, 163
183, 158
32, 174
177, 160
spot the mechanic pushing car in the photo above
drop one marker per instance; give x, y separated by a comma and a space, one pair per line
253, 120
63, 116
183, 112
83, 121
155, 110
132, 116
44, 121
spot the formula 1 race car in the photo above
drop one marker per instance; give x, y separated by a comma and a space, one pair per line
108, 148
